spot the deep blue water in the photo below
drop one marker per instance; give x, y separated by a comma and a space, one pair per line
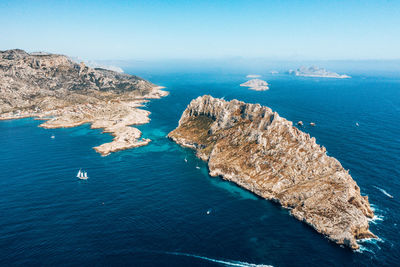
148, 207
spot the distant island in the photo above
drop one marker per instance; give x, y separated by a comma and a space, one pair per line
253, 76
257, 149
314, 71
54, 88
256, 84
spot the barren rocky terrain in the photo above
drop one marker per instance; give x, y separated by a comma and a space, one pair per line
257, 149
67, 94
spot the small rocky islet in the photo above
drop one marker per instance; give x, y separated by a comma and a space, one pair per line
256, 84
255, 148
64, 93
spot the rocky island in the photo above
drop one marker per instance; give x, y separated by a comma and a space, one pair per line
256, 84
252, 76
54, 88
317, 72
260, 151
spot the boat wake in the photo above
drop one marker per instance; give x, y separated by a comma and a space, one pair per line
224, 262
384, 192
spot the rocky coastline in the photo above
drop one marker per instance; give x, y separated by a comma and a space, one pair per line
264, 153
54, 88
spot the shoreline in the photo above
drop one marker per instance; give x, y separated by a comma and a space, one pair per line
116, 116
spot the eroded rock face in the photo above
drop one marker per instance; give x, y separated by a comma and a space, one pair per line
257, 149
67, 94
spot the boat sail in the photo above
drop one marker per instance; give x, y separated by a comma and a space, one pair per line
82, 175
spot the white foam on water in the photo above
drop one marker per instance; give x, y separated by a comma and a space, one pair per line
224, 262
367, 243
374, 208
374, 241
384, 192
376, 219
363, 249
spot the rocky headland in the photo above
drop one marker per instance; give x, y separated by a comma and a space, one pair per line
54, 88
314, 71
257, 149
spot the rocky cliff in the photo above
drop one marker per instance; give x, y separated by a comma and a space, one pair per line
257, 149
68, 94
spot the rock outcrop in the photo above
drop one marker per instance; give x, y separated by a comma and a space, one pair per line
257, 149
66, 94
256, 84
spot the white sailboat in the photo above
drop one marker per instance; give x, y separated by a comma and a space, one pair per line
82, 175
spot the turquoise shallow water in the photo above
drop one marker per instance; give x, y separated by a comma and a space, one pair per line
148, 207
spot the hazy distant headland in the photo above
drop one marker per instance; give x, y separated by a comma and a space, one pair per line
253, 76
244, 66
314, 71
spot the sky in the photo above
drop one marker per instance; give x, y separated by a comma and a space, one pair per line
212, 29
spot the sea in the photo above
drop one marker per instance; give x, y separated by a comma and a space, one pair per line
157, 206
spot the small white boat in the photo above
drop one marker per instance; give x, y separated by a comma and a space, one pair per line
185, 160
357, 124
82, 175
197, 167
52, 137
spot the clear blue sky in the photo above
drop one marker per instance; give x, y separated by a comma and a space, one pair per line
167, 29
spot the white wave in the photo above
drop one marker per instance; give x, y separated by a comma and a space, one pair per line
363, 249
377, 218
383, 191
375, 208
373, 241
365, 245
225, 262
372, 207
